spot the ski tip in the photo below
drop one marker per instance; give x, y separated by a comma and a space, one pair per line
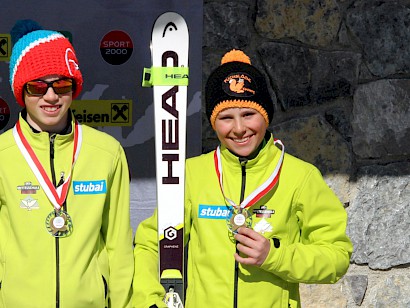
171, 22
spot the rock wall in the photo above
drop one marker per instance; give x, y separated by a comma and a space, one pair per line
339, 73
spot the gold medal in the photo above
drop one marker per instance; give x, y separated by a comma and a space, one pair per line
59, 224
239, 218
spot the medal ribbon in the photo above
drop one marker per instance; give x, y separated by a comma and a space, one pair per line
58, 195
261, 190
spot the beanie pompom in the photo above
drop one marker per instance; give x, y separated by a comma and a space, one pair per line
235, 56
23, 27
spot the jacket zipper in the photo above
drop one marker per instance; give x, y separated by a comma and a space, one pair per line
57, 241
243, 162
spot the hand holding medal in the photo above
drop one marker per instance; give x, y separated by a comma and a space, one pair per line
252, 246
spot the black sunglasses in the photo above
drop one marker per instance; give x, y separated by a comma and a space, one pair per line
40, 87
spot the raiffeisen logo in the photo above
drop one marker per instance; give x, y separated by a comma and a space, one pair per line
213, 212
89, 187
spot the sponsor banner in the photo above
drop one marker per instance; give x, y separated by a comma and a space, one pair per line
103, 112
4, 113
5, 47
116, 47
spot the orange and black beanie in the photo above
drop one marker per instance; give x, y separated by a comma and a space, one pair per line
37, 53
236, 83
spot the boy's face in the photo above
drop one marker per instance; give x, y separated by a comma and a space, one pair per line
241, 130
48, 112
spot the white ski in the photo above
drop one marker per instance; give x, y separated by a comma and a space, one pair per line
169, 78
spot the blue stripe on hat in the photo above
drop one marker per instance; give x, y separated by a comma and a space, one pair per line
27, 42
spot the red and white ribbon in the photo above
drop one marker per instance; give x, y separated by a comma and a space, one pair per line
57, 195
258, 193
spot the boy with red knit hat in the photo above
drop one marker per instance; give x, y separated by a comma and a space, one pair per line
258, 221
65, 234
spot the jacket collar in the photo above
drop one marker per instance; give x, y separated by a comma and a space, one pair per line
262, 160
67, 129
41, 140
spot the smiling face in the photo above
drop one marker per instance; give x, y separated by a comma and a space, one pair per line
241, 130
48, 112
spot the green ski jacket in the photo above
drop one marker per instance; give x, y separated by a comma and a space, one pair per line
301, 215
93, 266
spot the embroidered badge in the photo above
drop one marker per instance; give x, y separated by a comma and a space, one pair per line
239, 85
263, 226
89, 187
213, 211
28, 188
29, 204
263, 211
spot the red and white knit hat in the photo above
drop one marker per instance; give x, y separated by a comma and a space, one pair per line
38, 53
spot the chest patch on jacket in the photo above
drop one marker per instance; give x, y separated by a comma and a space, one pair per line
263, 211
89, 187
213, 211
28, 188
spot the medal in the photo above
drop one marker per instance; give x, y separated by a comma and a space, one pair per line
59, 224
240, 216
